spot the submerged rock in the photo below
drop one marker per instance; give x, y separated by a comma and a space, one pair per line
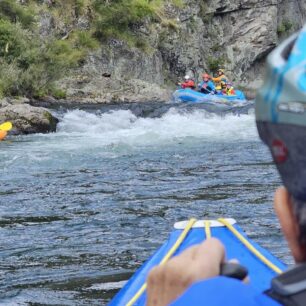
27, 119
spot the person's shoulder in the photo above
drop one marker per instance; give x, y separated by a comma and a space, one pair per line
223, 291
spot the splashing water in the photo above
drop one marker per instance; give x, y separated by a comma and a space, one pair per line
123, 126
120, 132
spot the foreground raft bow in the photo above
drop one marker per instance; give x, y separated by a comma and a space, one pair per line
262, 265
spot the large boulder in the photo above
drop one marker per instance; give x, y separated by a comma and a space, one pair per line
27, 119
100, 90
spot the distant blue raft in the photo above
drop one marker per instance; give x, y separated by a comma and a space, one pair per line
262, 265
192, 96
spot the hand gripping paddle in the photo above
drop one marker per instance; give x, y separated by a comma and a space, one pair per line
233, 270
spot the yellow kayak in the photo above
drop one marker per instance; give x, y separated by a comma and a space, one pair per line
2, 134
4, 128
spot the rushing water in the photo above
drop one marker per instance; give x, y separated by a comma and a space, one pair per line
82, 208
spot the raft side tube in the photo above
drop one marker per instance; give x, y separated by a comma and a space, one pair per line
192, 96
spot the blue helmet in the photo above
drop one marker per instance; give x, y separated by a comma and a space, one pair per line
281, 112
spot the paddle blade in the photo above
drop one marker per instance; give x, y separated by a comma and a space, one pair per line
6, 126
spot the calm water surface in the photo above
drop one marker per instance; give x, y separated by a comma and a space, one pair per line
81, 209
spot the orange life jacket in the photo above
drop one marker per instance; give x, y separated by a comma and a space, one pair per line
188, 84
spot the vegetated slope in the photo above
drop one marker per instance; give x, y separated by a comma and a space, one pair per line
115, 50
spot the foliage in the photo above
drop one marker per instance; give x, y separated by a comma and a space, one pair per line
284, 27
85, 39
9, 75
117, 18
32, 67
58, 93
11, 11
78, 7
13, 40
215, 63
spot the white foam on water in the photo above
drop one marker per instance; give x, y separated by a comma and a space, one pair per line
124, 127
108, 286
82, 134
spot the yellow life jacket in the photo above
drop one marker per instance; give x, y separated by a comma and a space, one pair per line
230, 91
218, 81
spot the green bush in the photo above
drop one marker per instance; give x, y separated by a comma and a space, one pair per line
13, 40
215, 63
284, 27
8, 76
33, 65
84, 39
78, 7
58, 93
117, 18
10, 10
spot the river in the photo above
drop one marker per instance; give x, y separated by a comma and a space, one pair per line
82, 208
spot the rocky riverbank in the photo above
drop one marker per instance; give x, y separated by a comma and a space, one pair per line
26, 119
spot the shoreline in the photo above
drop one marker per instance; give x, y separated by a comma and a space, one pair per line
76, 102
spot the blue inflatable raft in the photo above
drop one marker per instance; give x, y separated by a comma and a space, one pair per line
262, 265
192, 96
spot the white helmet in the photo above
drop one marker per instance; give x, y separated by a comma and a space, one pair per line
186, 77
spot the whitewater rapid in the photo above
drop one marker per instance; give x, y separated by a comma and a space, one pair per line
116, 133
122, 126
119, 132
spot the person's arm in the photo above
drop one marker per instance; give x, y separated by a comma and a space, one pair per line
217, 79
167, 282
212, 86
192, 278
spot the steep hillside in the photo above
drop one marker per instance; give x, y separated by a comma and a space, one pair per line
117, 50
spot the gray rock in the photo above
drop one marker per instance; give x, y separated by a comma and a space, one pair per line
102, 90
27, 119
46, 24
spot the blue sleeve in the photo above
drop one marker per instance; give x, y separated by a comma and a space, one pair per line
212, 85
222, 291
200, 85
